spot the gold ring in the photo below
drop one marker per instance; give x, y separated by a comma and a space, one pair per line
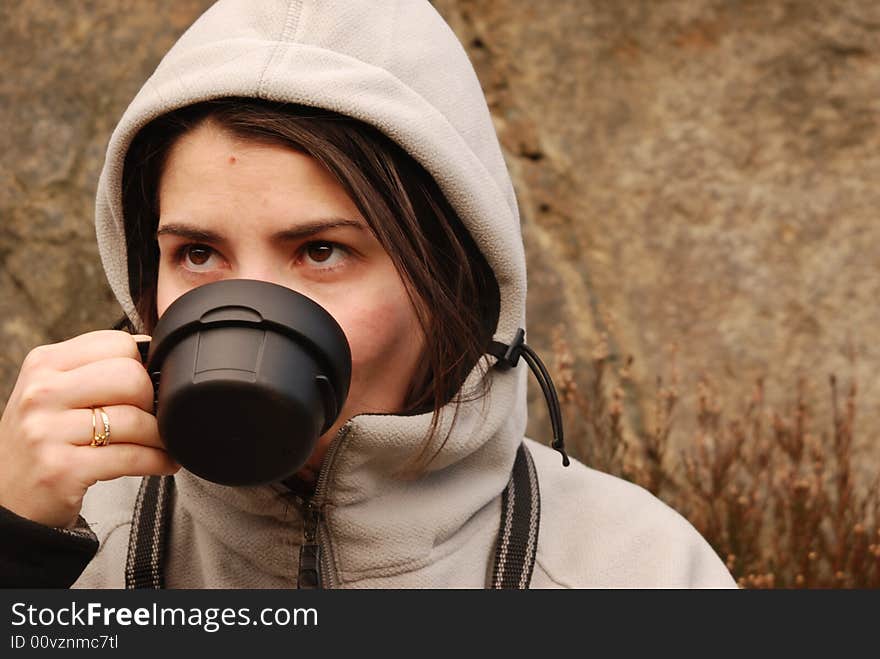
102, 438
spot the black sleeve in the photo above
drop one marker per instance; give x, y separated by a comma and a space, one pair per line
36, 556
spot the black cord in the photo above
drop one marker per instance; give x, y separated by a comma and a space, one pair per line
508, 357
550, 395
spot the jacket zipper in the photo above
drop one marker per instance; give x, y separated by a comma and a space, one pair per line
310, 552
314, 562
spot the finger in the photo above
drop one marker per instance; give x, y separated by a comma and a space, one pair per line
84, 349
128, 425
104, 463
114, 381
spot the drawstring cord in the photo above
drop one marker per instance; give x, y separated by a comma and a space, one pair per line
508, 357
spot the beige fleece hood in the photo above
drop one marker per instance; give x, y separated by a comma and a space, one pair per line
394, 64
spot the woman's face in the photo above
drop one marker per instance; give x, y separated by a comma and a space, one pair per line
231, 208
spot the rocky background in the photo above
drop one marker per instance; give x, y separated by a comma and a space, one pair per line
697, 174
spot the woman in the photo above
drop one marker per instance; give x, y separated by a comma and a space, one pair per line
348, 154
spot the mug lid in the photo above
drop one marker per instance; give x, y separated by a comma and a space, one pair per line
258, 304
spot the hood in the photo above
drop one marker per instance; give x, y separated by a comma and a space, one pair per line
397, 66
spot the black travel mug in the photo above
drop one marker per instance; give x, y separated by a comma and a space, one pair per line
247, 376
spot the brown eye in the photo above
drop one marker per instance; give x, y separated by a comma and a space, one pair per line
320, 252
198, 255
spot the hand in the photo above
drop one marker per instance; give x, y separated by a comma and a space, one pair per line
46, 461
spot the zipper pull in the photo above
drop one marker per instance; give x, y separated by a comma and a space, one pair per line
310, 552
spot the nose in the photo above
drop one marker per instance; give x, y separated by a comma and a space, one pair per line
259, 268
264, 270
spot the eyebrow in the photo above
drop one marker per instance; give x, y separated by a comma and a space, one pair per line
195, 233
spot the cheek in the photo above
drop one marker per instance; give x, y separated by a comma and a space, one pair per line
167, 290
384, 336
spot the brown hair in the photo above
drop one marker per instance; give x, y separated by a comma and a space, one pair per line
451, 286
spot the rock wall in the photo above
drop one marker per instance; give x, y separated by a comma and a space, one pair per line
701, 173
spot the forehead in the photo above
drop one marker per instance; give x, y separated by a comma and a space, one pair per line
213, 176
